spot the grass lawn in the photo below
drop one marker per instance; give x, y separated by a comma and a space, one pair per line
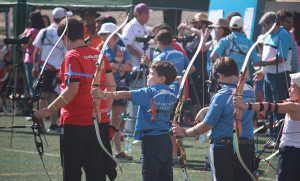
21, 161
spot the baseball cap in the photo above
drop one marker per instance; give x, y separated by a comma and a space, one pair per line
142, 8
107, 28
296, 78
60, 13
222, 23
236, 22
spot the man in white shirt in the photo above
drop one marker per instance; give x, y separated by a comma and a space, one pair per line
44, 42
137, 28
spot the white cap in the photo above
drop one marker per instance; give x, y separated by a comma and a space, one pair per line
236, 22
60, 13
107, 28
296, 78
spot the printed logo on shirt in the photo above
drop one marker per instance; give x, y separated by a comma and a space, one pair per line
91, 56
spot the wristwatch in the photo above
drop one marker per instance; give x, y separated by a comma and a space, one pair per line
264, 63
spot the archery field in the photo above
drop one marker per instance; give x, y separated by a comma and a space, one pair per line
22, 162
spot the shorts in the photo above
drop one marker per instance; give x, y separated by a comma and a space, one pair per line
49, 81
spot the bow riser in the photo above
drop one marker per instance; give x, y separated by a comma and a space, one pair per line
96, 83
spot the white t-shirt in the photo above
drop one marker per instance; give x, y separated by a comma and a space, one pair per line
290, 133
51, 38
132, 30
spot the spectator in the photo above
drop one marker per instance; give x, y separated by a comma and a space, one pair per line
90, 16
236, 45
136, 27
286, 20
221, 29
35, 25
46, 20
119, 59
199, 21
275, 51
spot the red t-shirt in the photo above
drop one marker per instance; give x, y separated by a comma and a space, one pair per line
79, 111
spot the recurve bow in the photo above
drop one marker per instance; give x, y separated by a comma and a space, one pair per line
238, 112
178, 108
96, 83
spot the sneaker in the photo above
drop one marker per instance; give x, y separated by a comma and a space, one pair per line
53, 129
123, 156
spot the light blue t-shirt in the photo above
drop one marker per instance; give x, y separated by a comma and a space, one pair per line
164, 97
277, 43
110, 54
179, 60
220, 113
244, 45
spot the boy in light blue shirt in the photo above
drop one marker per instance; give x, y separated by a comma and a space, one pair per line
156, 149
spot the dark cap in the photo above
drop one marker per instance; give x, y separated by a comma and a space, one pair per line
142, 8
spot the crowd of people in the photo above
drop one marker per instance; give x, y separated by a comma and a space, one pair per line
133, 71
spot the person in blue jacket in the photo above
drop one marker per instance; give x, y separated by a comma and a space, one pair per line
156, 148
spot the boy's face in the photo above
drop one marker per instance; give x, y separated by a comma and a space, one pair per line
294, 91
153, 78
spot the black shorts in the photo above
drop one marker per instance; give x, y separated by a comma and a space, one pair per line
49, 81
120, 102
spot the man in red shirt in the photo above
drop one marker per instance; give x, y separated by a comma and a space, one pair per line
78, 144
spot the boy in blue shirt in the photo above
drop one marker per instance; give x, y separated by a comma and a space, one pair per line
220, 119
156, 149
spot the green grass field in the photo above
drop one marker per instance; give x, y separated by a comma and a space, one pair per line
21, 161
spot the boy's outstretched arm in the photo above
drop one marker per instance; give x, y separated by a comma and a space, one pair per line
98, 94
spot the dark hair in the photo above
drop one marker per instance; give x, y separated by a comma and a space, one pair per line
232, 14
36, 20
167, 28
57, 20
282, 14
75, 29
268, 17
47, 18
226, 66
167, 69
164, 37
296, 30
226, 32
237, 29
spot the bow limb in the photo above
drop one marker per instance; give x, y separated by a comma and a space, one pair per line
97, 102
244, 73
238, 112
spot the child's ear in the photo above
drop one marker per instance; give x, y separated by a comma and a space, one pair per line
163, 79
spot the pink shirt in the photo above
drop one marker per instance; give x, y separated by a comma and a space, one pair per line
30, 49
